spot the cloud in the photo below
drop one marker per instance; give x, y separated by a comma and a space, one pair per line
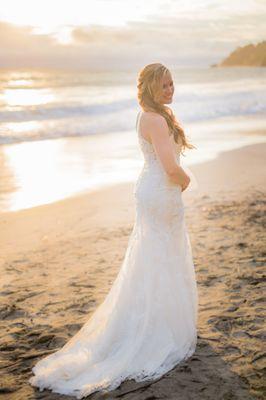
21, 47
100, 34
175, 38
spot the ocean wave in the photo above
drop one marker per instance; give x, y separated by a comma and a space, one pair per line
96, 109
51, 111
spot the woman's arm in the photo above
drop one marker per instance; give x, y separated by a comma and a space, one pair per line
158, 130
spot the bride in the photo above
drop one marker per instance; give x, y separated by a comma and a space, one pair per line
147, 323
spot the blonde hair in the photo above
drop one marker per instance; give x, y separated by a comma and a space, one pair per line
149, 79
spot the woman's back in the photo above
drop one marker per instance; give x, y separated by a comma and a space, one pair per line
153, 175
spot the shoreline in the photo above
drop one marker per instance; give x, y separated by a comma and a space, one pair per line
87, 164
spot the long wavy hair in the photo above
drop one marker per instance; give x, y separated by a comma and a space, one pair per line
149, 87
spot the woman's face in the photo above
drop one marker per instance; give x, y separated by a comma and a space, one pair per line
166, 90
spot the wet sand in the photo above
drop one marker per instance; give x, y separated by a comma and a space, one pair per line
58, 262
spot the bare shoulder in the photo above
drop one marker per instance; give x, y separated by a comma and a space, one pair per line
152, 119
153, 125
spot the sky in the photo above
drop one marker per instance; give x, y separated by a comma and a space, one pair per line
125, 34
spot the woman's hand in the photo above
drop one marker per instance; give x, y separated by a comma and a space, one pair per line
185, 182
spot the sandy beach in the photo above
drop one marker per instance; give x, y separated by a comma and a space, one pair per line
59, 260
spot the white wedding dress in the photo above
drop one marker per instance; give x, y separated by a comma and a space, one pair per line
147, 323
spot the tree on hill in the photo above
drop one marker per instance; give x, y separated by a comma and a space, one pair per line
249, 55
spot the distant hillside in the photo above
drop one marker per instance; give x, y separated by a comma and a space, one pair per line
249, 55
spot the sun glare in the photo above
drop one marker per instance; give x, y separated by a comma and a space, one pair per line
57, 16
26, 97
22, 127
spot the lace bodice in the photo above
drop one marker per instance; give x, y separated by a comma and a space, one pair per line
153, 176
147, 148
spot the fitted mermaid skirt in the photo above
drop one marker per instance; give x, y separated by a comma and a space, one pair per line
147, 323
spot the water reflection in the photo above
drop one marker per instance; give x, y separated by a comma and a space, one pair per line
46, 171
16, 83
19, 127
25, 97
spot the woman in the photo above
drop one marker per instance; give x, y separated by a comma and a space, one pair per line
147, 323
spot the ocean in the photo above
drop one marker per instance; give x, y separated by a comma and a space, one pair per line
80, 127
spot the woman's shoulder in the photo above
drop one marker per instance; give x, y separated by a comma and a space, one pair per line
151, 117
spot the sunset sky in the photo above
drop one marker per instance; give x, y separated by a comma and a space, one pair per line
123, 34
